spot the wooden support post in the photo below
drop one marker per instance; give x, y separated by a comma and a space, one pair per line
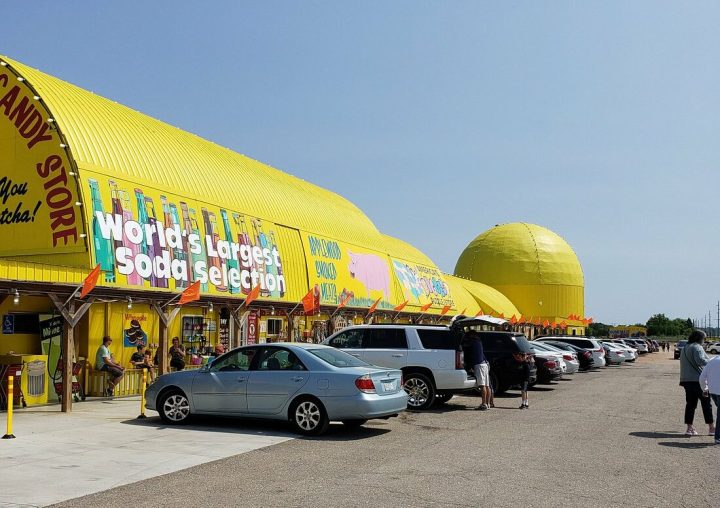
68, 350
71, 318
165, 319
239, 320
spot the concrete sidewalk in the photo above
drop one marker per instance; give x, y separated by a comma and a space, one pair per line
101, 444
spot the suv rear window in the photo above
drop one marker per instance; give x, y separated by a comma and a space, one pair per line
437, 339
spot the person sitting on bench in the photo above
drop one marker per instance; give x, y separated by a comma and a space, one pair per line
141, 360
105, 362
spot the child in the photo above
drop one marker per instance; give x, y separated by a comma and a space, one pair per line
525, 380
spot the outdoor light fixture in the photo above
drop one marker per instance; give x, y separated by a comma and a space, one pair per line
51, 120
78, 203
36, 97
16, 298
210, 308
4, 64
129, 306
272, 311
20, 78
63, 145
83, 235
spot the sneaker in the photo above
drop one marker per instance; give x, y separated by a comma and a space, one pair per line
711, 430
492, 404
523, 406
482, 407
691, 432
109, 392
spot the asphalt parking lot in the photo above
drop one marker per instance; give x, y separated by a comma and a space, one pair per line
604, 438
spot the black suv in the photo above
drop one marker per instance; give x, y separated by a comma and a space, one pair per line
504, 352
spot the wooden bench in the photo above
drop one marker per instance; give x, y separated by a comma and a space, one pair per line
129, 384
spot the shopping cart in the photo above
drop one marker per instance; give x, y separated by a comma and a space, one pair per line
5, 372
78, 392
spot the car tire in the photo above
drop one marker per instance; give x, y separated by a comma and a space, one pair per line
420, 390
308, 417
442, 398
354, 424
174, 407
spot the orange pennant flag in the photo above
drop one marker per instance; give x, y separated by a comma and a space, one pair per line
546, 324
479, 313
190, 293
513, 319
563, 325
501, 315
374, 306
254, 293
344, 302
425, 307
463, 311
537, 322
521, 320
590, 321
400, 307
309, 301
90, 281
444, 310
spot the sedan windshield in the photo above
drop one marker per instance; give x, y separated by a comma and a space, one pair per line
337, 358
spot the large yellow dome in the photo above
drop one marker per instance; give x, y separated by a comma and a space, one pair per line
534, 267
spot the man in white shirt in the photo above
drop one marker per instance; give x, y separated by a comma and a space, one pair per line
105, 362
710, 383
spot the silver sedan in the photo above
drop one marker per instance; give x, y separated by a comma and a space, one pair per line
306, 384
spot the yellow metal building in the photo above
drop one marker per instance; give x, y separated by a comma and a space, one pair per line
87, 181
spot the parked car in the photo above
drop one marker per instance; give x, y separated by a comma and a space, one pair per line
430, 358
548, 367
613, 354
641, 346
678, 348
587, 343
569, 357
714, 348
656, 345
307, 384
630, 352
585, 357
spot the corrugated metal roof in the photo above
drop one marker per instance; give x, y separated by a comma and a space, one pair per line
108, 137
489, 299
464, 301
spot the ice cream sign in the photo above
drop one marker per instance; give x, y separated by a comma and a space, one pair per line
340, 270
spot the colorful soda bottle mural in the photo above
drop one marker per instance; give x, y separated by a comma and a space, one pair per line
232, 263
103, 247
171, 246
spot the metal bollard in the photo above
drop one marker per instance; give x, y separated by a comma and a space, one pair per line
142, 395
11, 403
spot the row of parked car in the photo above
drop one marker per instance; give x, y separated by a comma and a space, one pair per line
370, 371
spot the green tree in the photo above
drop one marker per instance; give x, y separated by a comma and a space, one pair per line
598, 329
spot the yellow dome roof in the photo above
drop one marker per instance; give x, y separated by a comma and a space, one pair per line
520, 254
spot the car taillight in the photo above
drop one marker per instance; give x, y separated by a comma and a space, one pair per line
550, 364
567, 357
601, 351
459, 360
365, 384
587, 354
519, 357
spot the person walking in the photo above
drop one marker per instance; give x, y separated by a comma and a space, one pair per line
692, 361
710, 383
475, 356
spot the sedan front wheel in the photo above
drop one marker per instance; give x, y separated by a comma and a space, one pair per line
309, 418
174, 407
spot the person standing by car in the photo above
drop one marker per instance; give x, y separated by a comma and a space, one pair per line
177, 354
692, 361
527, 360
710, 383
475, 356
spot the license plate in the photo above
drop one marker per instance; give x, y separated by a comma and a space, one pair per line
389, 385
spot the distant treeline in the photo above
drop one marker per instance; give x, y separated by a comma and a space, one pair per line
658, 325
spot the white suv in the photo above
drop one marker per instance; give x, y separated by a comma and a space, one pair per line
714, 348
430, 358
587, 343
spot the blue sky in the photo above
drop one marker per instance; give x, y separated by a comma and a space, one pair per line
599, 119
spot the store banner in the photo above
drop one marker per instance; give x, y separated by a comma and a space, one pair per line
146, 238
342, 270
39, 198
422, 285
